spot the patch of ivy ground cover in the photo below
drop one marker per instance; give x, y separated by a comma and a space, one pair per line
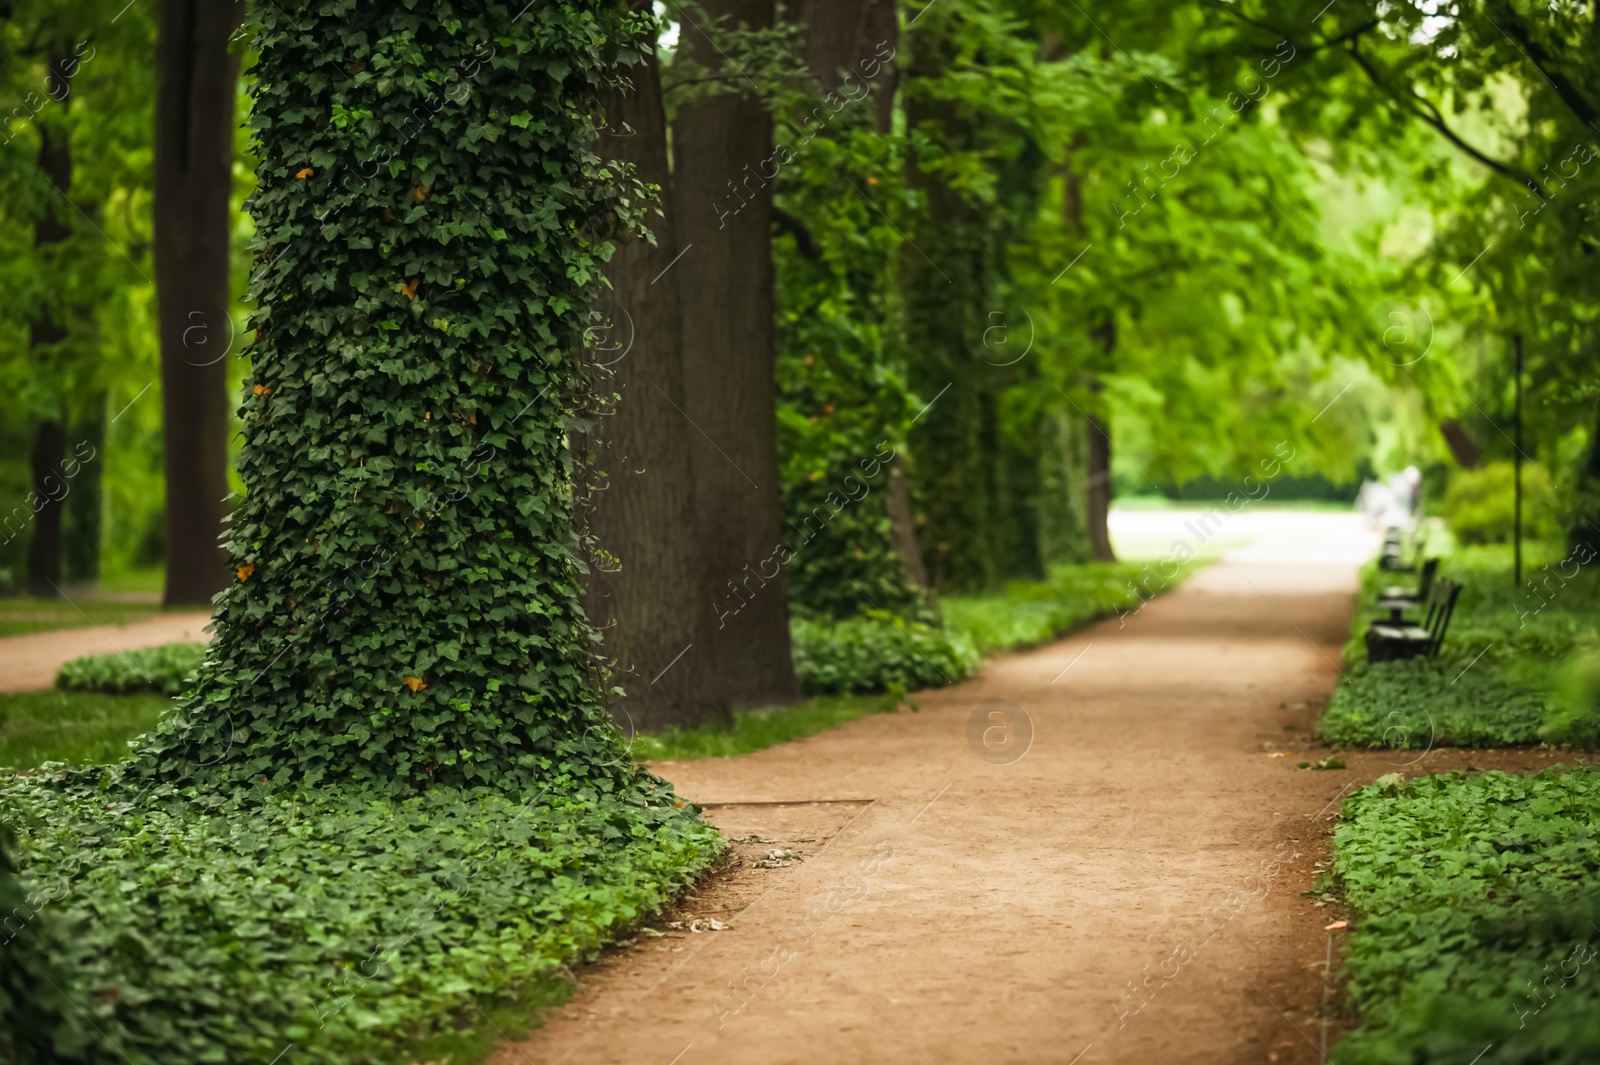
876, 651
1475, 916
165, 668
1495, 681
204, 925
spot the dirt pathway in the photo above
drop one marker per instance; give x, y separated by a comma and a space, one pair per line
1129, 890
29, 663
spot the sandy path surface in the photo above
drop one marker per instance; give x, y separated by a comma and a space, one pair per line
1128, 890
29, 663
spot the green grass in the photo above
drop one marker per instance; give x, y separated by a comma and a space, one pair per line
1466, 895
147, 579
1035, 612
1503, 676
754, 730
78, 727
22, 615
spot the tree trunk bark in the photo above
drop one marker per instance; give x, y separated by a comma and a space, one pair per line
723, 209
1099, 481
1585, 531
49, 441
196, 81
1099, 490
649, 576
44, 549
82, 520
1467, 453
840, 35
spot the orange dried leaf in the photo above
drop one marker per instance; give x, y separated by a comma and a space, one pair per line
307, 172
409, 289
244, 571
416, 684
259, 390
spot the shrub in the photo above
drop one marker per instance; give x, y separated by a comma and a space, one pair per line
1479, 505
166, 669
1574, 715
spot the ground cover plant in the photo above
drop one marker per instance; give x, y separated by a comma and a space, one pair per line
1474, 919
877, 651
209, 926
166, 669
1509, 671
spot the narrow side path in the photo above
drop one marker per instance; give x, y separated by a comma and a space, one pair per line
29, 662
1129, 890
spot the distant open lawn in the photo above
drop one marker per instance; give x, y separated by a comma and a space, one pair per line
23, 614
38, 727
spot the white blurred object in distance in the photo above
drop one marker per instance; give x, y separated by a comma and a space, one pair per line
1373, 502
1393, 504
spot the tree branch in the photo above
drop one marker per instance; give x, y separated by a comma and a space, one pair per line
804, 241
1423, 108
1570, 94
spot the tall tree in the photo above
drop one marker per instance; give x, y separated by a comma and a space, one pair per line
196, 86
650, 574
723, 206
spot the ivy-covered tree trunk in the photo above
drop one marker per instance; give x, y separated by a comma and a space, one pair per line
196, 82
944, 285
81, 521
45, 334
649, 572
723, 206
431, 222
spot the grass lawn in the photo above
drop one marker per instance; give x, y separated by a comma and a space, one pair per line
754, 730
57, 726
23, 614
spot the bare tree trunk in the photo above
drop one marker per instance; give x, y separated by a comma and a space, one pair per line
723, 209
650, 575
1099, 490
843, 34
196, 83
1467, 453
1099, 482
49, 441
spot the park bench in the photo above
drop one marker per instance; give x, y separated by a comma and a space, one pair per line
1393, 558
1388, 641
1397, 600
